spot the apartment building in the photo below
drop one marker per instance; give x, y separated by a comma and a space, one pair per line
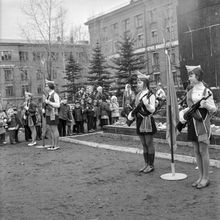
23, 67
153, 25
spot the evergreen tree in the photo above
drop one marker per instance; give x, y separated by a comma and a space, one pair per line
127, 62
72, 74
98, 69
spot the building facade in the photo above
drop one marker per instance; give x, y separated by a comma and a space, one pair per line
23, 67
153, 26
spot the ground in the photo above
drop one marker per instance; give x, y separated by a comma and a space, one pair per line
78, 182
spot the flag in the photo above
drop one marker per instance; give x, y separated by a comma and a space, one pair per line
172, 111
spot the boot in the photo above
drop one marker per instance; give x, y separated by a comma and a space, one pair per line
146, 162
150, 167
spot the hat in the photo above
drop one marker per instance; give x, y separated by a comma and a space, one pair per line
49, 82
191, 68
141, 75
27, 93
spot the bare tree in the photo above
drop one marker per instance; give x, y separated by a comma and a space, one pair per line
45, 24
78, 33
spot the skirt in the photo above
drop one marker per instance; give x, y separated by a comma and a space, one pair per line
52, 122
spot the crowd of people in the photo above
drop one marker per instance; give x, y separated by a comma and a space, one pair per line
93, 108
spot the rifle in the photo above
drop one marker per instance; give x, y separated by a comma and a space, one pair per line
191, 113
138, 109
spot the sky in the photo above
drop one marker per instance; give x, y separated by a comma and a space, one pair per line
78, 12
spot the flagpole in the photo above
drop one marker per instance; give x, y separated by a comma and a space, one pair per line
173, 175
171, 115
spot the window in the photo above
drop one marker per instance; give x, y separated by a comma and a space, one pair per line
6, 55
170, 33
36, 56
38, 74
39, 89
173, 58
54, 74
140, 40
54, 56
104, 34
157, 77
24, 74
153, 15
154, 36
23, 55
175, 78
126, 26
25, 88
8, 74
9, 91
155, 59
138, 21
115, 29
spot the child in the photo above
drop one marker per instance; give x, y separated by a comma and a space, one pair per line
19, 124
114, 107
12, 125
3, 120
78, 117
89, 112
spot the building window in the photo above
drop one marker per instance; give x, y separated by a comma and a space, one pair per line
175, 77
155, 59
25, 88
24, 74
39, 90
38, 74
8, 74
173, 58
54, 56
170, 33
115, 29
36, 56
154, 36
104, 34
156, 78
152, 15
23, 55
140, 40
9, 91
6, 55
138, 21
54, 74
126, 26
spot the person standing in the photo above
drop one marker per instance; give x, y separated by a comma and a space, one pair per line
145, 124
30, 114
64, 117
3, 120
199, 129
114, 107
52, 103
128, 99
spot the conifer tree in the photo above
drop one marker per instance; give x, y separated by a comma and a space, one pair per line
98, 74
127, 62
72, 74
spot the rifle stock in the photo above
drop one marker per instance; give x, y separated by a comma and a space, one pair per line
191, 113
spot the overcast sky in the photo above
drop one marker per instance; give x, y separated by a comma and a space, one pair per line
78, 12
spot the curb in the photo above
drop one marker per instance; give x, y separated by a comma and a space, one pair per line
178, 157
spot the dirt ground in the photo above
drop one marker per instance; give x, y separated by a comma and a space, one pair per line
84, 183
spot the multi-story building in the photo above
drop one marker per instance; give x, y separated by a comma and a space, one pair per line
153, 25
23, 67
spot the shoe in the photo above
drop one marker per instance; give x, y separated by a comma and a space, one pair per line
4, 142
149, 169
143, 168
53, 148
195, 183
32, 143
200, 185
